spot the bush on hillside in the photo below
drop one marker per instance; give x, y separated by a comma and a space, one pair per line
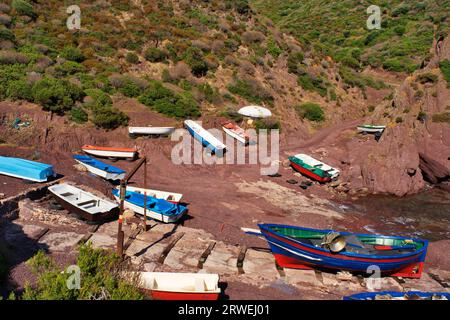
109, 118
195, 60
72, 54
78, 115
23, 7
445, 69
155, 55
250, 90
443, 117
100, 278
132, 58
163, 100
99, 98
56, 95
6, 34
427, 78
310, 111
19, 90
12, 57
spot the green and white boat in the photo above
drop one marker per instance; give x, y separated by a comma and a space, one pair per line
369, 128
313, 168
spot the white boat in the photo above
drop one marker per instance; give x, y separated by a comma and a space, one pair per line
255, 112
233, 130
165, 195
99, 168
162, 131
180, 286
109, 152
370, 128
88, 206
205, 137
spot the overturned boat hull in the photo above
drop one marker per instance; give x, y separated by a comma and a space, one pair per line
26, 169
100, 169
109, 152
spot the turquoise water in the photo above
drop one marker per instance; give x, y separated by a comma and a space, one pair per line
425, 215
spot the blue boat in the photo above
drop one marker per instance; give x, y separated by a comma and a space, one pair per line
206, 138
305, 248
157, 209
395, 295
26, 169
99, 168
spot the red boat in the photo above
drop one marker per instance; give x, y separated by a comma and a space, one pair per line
180, 286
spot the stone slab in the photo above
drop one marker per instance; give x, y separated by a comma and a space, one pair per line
102, 240
61, 241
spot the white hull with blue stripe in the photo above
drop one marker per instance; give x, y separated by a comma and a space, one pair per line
205, 137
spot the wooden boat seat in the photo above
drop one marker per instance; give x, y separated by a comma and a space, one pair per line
93, 202
66, 194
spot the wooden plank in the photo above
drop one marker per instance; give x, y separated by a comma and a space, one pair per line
280, 270
169, 247
132, 236
205, 254
240, 259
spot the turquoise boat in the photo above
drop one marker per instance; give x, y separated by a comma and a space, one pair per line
26, 169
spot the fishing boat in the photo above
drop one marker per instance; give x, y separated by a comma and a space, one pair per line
99, 168
159, 131
109, 152
205, 137
236, 132
304, 248
89, 207
157, 209
26, 169
369, 128
180, 286
165, 195
394, 295
313, 168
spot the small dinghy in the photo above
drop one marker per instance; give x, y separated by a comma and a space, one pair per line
236, 132
205, 137
143, 131
157, 209
370, 128
313, 168
26, 169
88, 206
394, 295
109, 152
99, 168
180, 286
304, 248
165, 195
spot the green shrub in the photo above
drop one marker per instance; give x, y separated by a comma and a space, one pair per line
154, 55
6, 34
69, 68
427, 78
23, 7
99, 97
19, 89
294, 60
163, 100
253, 92
99, 269
78, 115
313, 83
72, 54
130, 89
56, 95
445, 69
399, 120
441, 117
132, 58
267, 124
273, 49
310, 111
108, 117
194, 58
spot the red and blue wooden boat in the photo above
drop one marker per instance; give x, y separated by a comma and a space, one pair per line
302, 248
